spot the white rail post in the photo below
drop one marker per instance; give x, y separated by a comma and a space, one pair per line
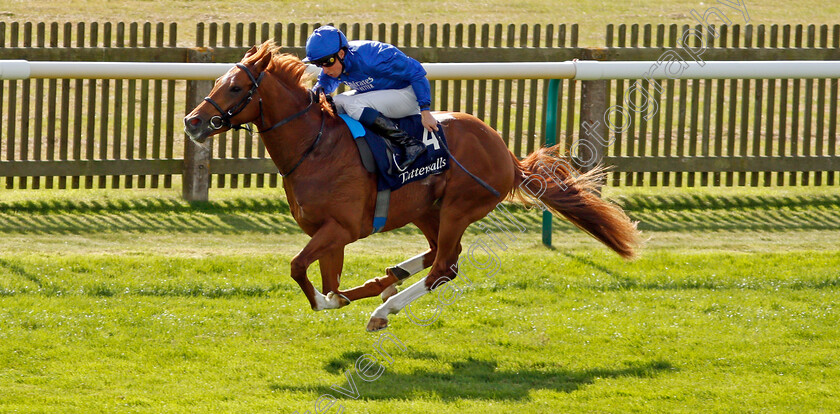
196, 178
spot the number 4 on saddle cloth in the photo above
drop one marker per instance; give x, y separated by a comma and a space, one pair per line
380, 158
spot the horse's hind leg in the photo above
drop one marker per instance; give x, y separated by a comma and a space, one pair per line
449, 248
370, 288
403, 271
429, 224
385, 286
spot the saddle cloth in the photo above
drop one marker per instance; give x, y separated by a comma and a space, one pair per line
434, 161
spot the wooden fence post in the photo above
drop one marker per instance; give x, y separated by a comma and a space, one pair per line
196, 178
592, 132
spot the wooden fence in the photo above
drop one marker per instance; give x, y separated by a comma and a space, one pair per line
728, 132
127, 133
62, 133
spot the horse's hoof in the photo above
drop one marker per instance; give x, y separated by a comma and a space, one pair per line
388, 292
339, 299
377, 324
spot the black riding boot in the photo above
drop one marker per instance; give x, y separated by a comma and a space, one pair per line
385, 127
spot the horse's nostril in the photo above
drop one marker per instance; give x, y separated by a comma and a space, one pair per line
194, 121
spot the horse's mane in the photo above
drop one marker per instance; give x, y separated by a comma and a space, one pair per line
288, 68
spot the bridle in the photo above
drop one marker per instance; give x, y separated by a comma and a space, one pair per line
223, 120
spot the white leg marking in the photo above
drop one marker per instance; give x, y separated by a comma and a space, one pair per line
413, 265
399, 301
326, 302
388, 292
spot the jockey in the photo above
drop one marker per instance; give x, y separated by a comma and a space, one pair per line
386, 84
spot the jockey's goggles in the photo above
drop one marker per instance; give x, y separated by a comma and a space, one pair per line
326, 62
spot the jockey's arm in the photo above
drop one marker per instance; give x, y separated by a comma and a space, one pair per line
410, 69
423, 91
326, 83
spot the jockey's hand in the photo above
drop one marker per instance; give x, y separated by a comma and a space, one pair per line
429, 122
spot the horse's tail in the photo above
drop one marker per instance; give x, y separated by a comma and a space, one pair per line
544, 178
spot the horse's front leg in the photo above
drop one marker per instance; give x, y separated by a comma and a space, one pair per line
332, 263
329, 237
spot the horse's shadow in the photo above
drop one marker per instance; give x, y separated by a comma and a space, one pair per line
471, 378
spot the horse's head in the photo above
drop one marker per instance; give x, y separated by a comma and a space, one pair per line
233, 100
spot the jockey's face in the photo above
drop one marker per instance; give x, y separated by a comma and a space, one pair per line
336, 69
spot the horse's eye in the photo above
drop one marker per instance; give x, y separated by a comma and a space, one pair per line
235, 89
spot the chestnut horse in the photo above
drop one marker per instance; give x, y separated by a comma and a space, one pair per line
332, 196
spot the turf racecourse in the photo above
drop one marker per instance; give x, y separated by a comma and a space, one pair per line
138, 302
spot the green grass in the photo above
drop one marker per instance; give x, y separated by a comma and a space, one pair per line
574, 331
136, 301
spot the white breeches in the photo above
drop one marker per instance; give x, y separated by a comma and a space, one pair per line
393, 103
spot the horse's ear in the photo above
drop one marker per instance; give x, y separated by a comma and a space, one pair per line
261, 64
251, 51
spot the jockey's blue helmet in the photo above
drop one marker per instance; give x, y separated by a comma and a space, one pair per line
323, 42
